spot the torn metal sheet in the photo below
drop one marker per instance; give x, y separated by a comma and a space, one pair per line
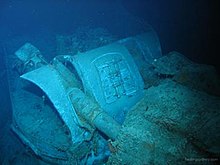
49, 80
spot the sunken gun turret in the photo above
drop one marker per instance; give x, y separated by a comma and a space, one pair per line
67, 109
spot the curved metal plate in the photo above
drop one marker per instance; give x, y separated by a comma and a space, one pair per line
111, 76
49, 80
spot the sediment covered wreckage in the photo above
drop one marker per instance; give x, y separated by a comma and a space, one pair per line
122, 103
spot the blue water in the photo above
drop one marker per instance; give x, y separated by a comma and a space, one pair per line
190, 27
186, 26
